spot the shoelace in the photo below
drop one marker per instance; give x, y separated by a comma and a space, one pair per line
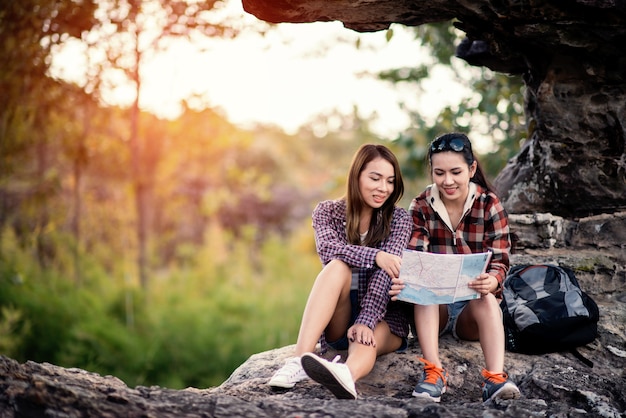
494, 377
336, 359
292, 367
433, 373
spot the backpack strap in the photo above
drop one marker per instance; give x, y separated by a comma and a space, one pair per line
580, 357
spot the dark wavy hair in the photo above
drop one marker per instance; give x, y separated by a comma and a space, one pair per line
380, 224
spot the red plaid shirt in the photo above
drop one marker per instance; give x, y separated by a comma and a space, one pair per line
483, 227
329, 223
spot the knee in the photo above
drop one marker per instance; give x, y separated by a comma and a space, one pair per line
337, 268
487, 306
491, 300
338, 265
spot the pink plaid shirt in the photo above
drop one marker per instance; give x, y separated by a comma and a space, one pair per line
329, 223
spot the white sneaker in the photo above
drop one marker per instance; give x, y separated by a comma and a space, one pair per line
287, 376
334, 376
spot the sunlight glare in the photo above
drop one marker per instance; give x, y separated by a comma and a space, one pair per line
296, 72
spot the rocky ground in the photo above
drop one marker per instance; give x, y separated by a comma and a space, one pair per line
552, 385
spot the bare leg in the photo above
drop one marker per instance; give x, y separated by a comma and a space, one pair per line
427, 325
328, 307
482, 320
361, 358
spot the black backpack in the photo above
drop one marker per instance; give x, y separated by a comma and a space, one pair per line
545, 310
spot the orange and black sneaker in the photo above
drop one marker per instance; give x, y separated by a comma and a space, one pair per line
433, 382
498, 386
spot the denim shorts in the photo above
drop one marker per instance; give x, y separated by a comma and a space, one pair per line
343, 343
454, 310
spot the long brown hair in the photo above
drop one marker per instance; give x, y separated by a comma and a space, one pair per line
380, 224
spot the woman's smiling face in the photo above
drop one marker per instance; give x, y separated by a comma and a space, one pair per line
376, 182
452, 175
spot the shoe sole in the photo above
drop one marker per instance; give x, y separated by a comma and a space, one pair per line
318, 372
425, 395
506, 392
279, 385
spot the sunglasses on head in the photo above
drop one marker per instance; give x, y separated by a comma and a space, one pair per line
456, 144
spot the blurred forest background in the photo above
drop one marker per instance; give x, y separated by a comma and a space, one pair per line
166, 252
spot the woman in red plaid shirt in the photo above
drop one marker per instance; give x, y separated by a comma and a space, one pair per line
460, 214
360, 239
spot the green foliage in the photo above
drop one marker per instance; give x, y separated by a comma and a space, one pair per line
197, 324
218, 293
29, 29
12, 329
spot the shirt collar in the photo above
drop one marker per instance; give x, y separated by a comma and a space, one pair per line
435, 201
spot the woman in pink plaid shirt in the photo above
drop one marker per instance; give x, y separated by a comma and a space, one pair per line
359, 239
461, 214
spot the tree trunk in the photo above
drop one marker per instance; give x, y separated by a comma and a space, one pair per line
140, 187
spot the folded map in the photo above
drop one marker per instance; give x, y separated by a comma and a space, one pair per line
440, 278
